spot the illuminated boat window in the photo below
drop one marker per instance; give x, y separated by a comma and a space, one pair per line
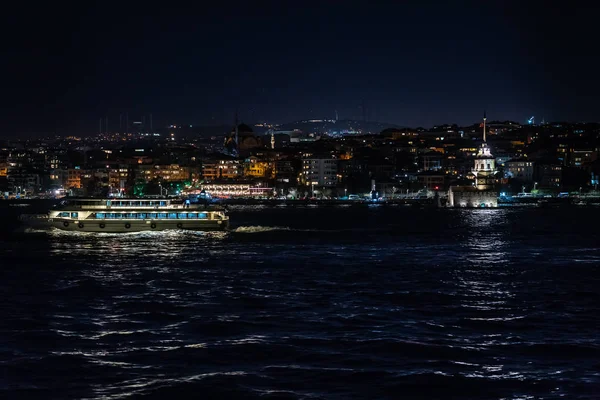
172, 215
182, 215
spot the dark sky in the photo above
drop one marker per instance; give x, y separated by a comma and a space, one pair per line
412, 63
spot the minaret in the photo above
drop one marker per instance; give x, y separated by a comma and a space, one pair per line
236, 133
484, 118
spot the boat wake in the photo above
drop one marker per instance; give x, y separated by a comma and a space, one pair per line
264, 229
34, 230
141, 234
259, 229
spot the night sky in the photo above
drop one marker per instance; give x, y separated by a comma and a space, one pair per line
416, 64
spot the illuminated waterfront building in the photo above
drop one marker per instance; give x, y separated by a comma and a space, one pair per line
523, 170
319, 170
222, 169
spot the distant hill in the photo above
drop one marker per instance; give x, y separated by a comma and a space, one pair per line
195, 131
338, 127
329, 127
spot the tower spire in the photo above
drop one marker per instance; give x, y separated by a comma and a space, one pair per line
237, 146
236, 127
484, 118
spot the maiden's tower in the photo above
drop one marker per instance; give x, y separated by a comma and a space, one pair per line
483, 192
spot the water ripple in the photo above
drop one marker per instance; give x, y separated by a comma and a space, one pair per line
308, 304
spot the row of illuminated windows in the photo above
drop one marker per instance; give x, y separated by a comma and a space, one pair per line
521, 170
135, 203
151, 215
65, 214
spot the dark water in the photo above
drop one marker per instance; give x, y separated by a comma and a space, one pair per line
309, 303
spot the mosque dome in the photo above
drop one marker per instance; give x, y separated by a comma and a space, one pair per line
244, 130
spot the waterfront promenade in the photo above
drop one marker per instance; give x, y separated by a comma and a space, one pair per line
26, 203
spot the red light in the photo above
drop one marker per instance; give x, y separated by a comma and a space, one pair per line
436, 188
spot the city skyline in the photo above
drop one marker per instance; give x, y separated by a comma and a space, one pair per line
409, 65
322, 127
316, 199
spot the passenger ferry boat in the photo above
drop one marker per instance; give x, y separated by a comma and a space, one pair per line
135, 215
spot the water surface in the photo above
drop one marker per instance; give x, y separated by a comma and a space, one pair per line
309, 303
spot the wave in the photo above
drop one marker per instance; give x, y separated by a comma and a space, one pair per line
262, 228
33, 230
164, 233
259, 229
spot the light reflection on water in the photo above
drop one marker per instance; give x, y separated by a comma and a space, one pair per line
485, 294
160, 246
486, 231
486, 254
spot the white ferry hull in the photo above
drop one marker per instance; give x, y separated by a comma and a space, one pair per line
135, 215
123, 226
